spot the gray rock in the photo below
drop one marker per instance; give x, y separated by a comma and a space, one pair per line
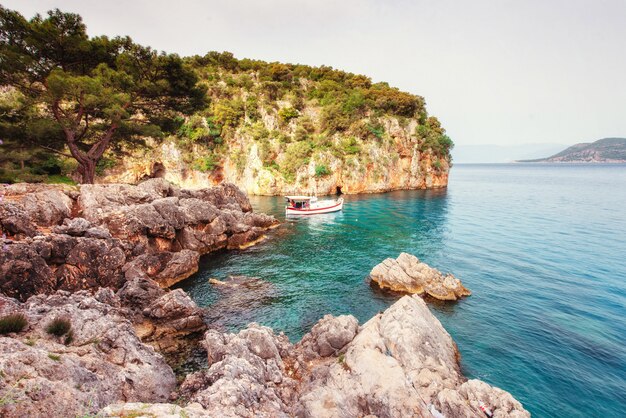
246, 376
104, 362
328, 336
75, 227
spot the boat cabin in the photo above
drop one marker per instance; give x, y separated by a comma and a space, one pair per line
300, 202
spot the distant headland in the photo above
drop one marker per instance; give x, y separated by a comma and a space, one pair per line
606, 150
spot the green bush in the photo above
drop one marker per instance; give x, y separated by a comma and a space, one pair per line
334, 119
55, 357
252, 108
377, 130
206, 164
229, 112
287, 113
321, 171
296, 156
59, 326
350, 146
258, 131
104, 164
12, 323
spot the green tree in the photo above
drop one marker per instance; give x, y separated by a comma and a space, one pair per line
98, 91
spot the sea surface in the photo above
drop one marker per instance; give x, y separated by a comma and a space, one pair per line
542, 247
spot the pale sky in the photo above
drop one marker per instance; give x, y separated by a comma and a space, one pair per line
494, 72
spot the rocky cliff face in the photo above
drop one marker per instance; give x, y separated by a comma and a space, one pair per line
153, 229
395, 164
276, 129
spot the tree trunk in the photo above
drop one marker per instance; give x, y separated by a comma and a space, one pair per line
87, 169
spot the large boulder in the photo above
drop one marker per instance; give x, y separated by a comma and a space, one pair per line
57, 261
165, 218
166, 268
29, 209
402, 363
246, 375
167, 320
406, 274
97, 362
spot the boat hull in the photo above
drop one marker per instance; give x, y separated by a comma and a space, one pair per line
316, 211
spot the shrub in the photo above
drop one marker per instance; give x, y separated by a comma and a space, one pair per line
12, 323
69, 337
206, 164
287, 113
377, 130
252, 108
58, 326
296, 156
350, 146
104, 164
321, 171
229, 112
334, 119
54, 357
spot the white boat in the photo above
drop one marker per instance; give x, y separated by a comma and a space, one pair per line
309, 205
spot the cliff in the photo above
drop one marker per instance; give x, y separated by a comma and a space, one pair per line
275, 129
607, 150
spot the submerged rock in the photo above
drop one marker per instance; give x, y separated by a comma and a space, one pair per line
240, 298
407, 274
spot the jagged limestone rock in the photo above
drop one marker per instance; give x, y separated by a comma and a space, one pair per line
407, 274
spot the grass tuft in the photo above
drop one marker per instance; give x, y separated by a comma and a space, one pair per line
59, 326
12, 323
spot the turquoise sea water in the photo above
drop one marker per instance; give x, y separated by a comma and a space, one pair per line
542, 247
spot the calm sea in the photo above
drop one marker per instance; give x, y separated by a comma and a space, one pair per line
542, 247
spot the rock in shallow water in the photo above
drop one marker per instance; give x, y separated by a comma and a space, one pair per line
407, 274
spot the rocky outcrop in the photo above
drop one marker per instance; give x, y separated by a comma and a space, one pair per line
153, 228
401, 363
246, 376
97, 362
407, 274
26, 208
45, 263
166, 320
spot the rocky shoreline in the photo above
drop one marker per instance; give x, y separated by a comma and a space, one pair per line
99, 260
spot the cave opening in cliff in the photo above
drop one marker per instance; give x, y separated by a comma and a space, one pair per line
158, 170
338, 191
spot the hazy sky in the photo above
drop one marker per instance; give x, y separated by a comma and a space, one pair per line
495, 72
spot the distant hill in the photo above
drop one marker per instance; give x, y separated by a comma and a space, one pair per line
492, 153
607, 150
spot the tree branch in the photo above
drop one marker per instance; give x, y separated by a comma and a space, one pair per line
65, 154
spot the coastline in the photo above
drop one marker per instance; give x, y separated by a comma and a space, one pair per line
169, 321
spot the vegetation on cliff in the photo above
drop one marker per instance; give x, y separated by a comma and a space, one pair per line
73, 104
